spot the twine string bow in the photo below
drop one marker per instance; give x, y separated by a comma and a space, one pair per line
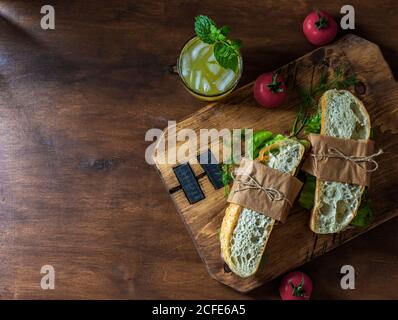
272, 193
357, 160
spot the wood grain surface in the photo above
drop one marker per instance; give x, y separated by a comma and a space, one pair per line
76, 102
291, 244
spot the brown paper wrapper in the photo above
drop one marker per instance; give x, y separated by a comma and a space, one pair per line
257, 199
339, 169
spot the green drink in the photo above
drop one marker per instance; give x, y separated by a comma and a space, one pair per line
199, 63
202, 74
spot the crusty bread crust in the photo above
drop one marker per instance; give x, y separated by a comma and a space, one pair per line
228, 225
231, 218
315, 211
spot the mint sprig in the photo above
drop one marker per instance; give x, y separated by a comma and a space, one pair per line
226, 51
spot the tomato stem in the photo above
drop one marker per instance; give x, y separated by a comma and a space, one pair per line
298, 291
274, 86
322, 21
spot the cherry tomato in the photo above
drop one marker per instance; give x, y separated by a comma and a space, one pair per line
319, 27
270, 90
295, 286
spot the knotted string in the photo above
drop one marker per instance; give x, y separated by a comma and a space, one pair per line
272, 193
357, 160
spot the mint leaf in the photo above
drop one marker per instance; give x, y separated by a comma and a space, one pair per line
225, 30
226, 56
226, 51
206, 29
236, 44
215, 33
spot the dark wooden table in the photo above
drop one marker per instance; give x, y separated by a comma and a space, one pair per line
75, 190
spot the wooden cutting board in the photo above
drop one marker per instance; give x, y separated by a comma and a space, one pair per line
291, 244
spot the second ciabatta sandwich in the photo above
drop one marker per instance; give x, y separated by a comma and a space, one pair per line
336, 203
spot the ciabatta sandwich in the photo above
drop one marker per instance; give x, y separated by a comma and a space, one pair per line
336, 203
244, 232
